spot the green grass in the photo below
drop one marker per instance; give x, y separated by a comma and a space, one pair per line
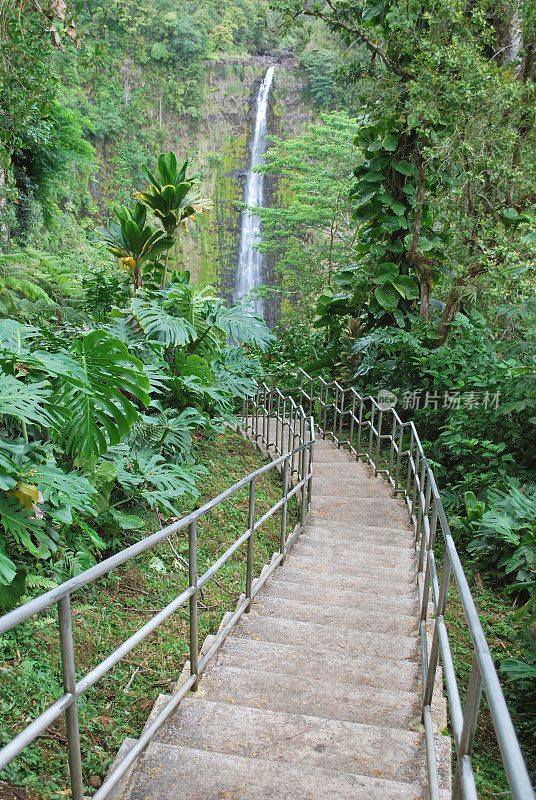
106, 613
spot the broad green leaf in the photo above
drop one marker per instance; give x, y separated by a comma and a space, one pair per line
390, 143
12, 591
406, 286
363, 199
28, 402
101, 412
387, 296
172, 330
385, 272
405, 167
510, 213
398, 208
376, 145
399, 316
243, 325
128, 522
23, 525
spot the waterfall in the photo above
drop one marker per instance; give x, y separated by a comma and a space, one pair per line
249, 270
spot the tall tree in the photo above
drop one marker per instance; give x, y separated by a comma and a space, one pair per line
448, 113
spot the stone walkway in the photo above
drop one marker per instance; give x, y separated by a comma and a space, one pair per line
315, 694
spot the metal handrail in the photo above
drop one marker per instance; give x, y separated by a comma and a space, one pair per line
347, 417
291, 424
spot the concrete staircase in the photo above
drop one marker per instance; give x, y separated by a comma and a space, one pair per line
315, 694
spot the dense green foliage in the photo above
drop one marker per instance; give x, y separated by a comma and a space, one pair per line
98, 420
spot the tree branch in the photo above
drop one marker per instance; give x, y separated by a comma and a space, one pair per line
336, 22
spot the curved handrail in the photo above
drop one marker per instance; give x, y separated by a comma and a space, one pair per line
296, 465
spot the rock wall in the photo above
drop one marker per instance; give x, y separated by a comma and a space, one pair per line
217, 141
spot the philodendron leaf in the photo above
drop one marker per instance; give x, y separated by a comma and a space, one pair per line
10, 593
406, 286
386, 272
387, 296
101, 411
390, 143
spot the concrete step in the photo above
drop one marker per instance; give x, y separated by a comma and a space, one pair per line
371, 619
352, 564
298, 739
316, 659
374, 512
366, 584
347, 487
348, 597
183, 773
334, 637
297, 694
324, 453
329, 549
347, 535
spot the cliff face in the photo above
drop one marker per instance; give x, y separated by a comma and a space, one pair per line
217, 140
223, 151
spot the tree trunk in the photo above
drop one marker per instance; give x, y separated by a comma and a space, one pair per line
449, 312
453, 301
4, 229
165, 270
509, 35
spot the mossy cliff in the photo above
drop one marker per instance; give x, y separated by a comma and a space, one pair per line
216, 138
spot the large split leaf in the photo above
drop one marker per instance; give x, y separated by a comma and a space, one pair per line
27, 402
161, 325
101, 411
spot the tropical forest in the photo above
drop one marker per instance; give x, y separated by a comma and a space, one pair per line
222, 217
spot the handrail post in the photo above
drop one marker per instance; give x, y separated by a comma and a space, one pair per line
343, 394
256, 425
392, 451
371, 434
428, 688
251, 541
420, 508
378, 442
277, 421
302, 477
470, 717
399, 457
359, 430
283, 537
324, 427
69, 686
265, 418
352, 421
410, 457
310, 451
192, 573
335, 410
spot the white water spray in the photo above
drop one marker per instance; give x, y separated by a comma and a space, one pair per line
249, 270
